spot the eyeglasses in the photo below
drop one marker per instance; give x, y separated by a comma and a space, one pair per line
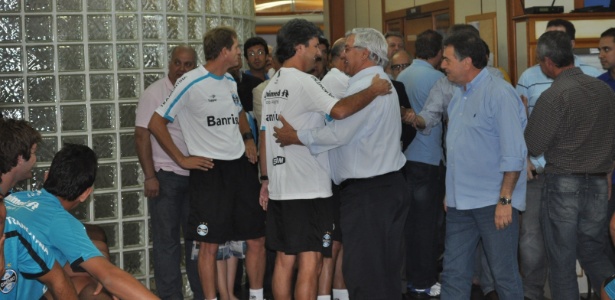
259, 53
399, 67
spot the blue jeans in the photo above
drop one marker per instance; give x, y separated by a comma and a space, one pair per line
574, 216
532, 253
464, 228
169, 214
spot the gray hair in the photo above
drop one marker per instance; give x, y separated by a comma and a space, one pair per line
372, 40
557, 46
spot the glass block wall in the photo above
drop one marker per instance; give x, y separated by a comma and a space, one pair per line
76, 69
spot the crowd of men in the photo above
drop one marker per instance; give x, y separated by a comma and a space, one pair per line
334, 175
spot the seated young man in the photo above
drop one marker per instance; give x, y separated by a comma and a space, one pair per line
21, 254
69, 183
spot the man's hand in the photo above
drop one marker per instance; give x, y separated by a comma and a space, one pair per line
196, 162
99, 289
263, 197
286, 135
530, 169
503, 215
408, 115
151, 187
251, 150
380, 86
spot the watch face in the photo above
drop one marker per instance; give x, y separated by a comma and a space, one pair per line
505, 201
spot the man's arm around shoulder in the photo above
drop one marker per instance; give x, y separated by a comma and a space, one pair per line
60, 286
117, 281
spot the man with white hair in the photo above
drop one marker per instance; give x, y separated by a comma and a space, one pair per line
367, 162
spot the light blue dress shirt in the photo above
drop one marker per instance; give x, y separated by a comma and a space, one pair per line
533, 82
365, 144
484, 140
418, 79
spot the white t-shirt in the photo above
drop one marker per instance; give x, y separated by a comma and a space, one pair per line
293, 172
336, 82
208, 109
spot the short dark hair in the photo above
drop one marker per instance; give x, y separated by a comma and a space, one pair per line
459, 28
16, 139
294, 32
323, 41
428, 44
570, 30
556, 46
393, 33
72, 172
217, 39
609, 32
468, 45
253, 41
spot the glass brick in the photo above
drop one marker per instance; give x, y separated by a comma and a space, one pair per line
104, 145
130, 174
127, 145
128, 86
12, 90
127, 56
114, 258
238, 7
11, 59
40, 58
70, 58
134, 262
70, 28
175, 28
105, 206
99, 27
212, 6
151, 5
195, 28
10, 6
10, 29
195, 6
226, 7
112, 232
13, 112
43, 118
82, 212
187, 291
101, 56
152, 27
41, 89
46, 149
226, 22
69, 5
37, 180
126, 27
249, 8
134, 233
103, 116
72, 87
75, 139
74, 117
175, 5
199, 52
211, 23
99, 5
126, 5
106, 176
39, 28
238, 25
152, 56
149, 78
248, 28
128, 115
102, 86
38, 5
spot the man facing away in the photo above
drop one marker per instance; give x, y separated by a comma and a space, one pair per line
23, 255
223, 184
485, 188
166, 184
68, 184
572, 124
367, 162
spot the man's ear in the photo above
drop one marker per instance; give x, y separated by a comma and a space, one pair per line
84, 196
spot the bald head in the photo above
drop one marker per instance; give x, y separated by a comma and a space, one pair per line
336, 50
399, 62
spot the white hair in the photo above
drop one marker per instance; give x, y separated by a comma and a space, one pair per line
372, 40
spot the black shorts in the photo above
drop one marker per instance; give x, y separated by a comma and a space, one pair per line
335, 207
224, 203
295, 226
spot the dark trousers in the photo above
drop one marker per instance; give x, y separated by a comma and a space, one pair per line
422, 224
373, 215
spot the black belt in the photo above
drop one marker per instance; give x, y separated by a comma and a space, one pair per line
349, 181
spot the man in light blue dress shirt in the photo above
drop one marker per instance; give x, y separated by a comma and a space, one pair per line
485, 179
366, 160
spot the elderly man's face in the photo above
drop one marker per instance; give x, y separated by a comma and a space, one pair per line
454, 68
182, 61
353, 57
398, 64
395, 44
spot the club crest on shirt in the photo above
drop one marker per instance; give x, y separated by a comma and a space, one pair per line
236, 100
8, 281
326, 239
202, 230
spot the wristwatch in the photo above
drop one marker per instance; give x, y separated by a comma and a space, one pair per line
505, 201
247, 136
